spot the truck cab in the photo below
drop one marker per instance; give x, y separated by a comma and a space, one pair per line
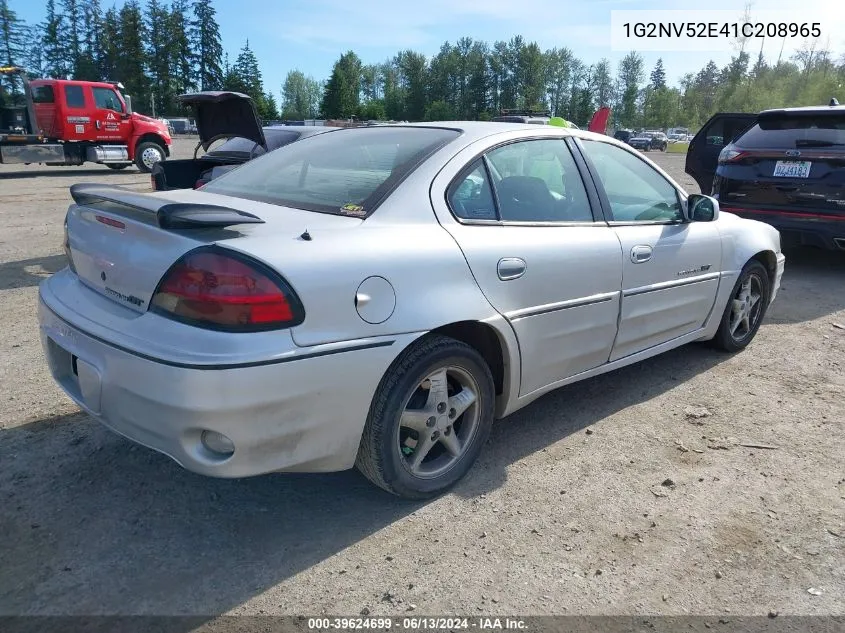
85, 121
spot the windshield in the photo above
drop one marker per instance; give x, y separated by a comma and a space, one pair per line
347, 172
789, 131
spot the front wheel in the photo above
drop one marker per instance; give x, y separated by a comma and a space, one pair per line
429, 419
745, 309
148, 154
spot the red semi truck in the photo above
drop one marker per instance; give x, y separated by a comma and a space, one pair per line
67, 122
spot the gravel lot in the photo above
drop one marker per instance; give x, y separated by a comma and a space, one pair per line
606, 497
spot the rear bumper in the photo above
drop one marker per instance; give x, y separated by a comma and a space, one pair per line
799, 229
305, 414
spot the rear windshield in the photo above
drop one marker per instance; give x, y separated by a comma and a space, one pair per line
244, 148
796, 131
347, 172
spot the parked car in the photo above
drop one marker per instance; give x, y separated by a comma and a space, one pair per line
231, 117
785, 167
649, 140
624, 135
376, 296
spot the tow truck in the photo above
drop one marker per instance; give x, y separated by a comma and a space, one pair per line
69, 122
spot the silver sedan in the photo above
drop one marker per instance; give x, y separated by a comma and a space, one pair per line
376, 297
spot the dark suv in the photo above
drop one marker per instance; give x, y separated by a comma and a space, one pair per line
784, 167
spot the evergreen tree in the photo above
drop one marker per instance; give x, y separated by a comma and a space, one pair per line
270, 108
88, 64
12, 44
55, 57
159, 53
295, 97
74, 26
658, 75
182, 57
130, 63
110, 45
248, 73
205, 37
630, 77
342, 93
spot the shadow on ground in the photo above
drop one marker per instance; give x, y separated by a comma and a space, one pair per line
92, 524
63, 172
29, 272
99, 525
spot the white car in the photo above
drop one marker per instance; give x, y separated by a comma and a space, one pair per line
378, 295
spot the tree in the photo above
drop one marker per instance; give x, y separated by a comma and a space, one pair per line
602, 83
131, 55
630, 76
206, 42
87, 62
342, 93
55, 57
72, 12
439, 111
181, 54
413, 69
110, 45
159, 52
296, 100
658, 75
269, 107
12, 44
248, 74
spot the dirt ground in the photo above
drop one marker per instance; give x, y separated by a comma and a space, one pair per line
607, 497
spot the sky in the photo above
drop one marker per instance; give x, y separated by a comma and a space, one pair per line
309, 35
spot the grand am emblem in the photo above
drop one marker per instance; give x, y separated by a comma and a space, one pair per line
694, 271
122, 297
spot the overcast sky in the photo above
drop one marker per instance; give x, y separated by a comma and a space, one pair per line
311, 35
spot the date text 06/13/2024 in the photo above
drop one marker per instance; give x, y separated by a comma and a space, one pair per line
416, 624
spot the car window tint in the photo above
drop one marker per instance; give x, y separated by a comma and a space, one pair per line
723, 130
795, 131
538, 181
43, 94
106, 99
635, 190
470, 196
346, 172
74, 97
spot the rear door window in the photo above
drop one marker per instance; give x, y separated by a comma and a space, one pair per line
43, 94
74, 96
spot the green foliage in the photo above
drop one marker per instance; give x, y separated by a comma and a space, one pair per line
300, 97
206, 43
439, 111
343, 89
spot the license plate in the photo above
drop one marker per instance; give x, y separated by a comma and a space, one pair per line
792, 168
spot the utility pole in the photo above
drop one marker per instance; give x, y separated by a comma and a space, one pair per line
153, 103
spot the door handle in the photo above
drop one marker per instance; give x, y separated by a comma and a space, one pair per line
641, 253
511, 268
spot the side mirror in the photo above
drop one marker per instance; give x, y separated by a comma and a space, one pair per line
701, 208
128, 101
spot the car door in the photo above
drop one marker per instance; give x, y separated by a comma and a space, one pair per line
704, 149
670, 267
524, 221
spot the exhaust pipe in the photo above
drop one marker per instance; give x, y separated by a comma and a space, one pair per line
840, 242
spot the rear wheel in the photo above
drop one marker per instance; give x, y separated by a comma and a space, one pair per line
745, 309
148, 154
429, 419
117, 167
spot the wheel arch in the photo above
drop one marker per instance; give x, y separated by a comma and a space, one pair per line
496, 342
150, 137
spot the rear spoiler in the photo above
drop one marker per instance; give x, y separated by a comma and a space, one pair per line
157, 211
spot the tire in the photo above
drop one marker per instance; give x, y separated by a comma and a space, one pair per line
145, 166
756, 274
387, 449
116, 167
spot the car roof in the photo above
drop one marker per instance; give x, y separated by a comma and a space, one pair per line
475, 130
840, 109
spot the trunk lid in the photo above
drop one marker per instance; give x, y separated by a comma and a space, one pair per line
122, 242
221, 114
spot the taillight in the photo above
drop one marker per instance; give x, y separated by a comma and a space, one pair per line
199, 184
218, 289
731, 155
